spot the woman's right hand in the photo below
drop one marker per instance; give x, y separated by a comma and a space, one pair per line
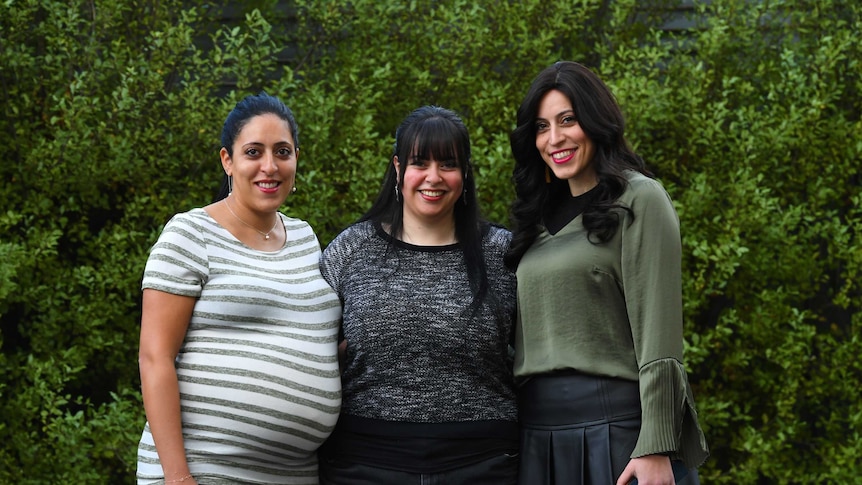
342, 355
648, 470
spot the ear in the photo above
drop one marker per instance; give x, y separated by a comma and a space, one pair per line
397, 169
226, 162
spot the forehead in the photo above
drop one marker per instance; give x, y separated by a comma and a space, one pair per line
267, 128
553, 103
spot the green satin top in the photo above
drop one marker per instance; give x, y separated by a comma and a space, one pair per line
615, 309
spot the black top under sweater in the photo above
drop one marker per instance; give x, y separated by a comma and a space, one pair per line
427, 384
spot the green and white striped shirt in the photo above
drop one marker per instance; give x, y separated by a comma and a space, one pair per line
258, 371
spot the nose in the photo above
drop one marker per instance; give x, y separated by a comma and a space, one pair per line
268, 165
555, 135
433, 174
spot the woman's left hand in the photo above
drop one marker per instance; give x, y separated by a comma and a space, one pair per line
648, 470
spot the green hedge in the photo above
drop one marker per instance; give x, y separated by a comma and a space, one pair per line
750, 116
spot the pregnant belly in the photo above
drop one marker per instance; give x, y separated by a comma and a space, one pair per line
278, 406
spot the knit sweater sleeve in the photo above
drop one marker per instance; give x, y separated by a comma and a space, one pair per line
651, 265
338, 253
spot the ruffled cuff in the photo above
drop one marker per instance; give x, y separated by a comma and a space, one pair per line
669, 419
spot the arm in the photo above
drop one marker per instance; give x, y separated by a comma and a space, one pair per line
332, 262
164, 322
652, 257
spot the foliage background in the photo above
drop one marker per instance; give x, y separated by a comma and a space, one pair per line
749, 113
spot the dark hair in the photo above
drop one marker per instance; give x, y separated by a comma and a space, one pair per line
601, 119
245, 110
432, 132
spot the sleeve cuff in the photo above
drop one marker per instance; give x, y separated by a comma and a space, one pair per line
668, 416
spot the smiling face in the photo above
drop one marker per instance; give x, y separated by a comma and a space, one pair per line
263, 164
430, 190
563, 145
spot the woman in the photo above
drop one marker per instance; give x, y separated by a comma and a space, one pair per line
428, 312
238, 356
603, 394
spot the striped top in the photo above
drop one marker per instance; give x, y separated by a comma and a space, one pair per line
258, 372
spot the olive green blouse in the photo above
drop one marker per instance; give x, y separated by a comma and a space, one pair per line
615, 309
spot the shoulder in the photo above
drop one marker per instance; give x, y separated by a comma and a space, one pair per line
651, 204
643, 188
355, 233
189, 225
497, 236
639, 182
296, 225
352, 237
338, 255
194, 217
496, 241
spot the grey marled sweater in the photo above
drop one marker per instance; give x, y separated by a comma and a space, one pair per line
414, 354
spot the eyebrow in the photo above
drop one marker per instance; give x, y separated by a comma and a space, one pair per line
565, 111
258, 143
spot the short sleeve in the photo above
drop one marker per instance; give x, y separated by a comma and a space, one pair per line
177, 263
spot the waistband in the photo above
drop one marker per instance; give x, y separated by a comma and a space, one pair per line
577, 399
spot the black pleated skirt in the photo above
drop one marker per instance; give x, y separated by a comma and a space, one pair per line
578, 429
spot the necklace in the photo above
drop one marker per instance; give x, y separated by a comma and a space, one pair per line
264, 234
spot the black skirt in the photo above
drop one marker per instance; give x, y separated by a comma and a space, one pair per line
578, 429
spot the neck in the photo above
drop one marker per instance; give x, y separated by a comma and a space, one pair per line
440, 233
252, 223
582, 186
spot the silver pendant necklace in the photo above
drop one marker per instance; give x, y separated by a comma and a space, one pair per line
264, 234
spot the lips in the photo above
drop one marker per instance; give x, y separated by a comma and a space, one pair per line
432, 193
268, 186
563, 156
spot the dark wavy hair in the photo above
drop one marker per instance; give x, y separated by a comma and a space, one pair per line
601, 119
245, 110
432, 132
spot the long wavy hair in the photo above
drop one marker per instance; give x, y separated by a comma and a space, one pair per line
432, 132
601, 119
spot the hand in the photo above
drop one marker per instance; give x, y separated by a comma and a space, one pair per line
649, 470
342, 355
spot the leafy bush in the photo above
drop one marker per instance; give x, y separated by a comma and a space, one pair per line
750, 117
111, 125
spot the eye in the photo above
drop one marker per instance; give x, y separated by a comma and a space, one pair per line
569, 119
252, 152
416, 161
284, 152
541, 126
450, 164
